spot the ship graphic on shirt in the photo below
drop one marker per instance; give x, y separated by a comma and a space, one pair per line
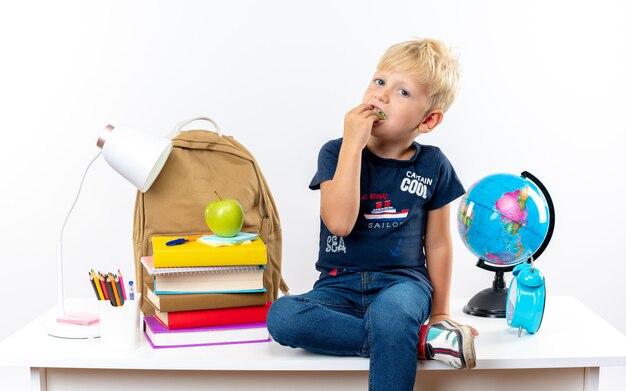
384, 211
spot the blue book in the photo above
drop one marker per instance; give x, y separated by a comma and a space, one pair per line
189, 292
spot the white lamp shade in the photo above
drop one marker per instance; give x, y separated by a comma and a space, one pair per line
137, 156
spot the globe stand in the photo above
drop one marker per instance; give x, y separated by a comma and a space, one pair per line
490, 302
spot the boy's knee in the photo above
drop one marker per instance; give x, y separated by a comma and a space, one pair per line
411, 307
398, 316
278, 317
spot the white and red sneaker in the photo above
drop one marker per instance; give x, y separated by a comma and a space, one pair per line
449, 343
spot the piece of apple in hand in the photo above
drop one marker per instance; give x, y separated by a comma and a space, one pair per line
224, 217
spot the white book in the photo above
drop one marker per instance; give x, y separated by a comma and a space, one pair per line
214, 279
160, 336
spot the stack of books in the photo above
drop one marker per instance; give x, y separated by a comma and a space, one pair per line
206, 291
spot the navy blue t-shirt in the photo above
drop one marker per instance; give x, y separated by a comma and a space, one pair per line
396, 196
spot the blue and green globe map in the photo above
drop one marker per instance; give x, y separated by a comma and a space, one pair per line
503, 219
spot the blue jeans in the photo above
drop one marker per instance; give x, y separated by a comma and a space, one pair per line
368, 314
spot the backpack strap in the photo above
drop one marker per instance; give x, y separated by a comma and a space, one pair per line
179, 127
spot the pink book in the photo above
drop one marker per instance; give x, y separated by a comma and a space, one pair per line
160, 336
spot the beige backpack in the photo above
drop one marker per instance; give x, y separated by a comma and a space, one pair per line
202, 162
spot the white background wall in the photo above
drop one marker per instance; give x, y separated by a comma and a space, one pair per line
542, 91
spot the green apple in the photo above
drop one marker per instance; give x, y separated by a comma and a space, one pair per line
224, 217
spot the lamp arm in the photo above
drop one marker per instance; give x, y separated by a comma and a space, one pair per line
60, 295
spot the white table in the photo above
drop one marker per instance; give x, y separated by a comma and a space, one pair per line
566, 353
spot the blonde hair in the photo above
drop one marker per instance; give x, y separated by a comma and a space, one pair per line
433, 64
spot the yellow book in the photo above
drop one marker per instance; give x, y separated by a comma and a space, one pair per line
194, 253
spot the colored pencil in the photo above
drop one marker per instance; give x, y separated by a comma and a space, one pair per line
93, 285
119, 273
103, 283
117, 297
98, 288
119, 289
110, 289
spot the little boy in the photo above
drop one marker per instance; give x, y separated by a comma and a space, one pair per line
385, 256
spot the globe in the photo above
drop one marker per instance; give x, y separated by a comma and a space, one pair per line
503, 219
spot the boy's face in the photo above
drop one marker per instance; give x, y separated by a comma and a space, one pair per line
404, 103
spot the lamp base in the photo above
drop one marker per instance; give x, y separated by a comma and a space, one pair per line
488, 303
62, 328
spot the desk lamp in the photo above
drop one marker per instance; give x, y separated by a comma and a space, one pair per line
139, 158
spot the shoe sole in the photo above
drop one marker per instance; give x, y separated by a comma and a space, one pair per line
469, 354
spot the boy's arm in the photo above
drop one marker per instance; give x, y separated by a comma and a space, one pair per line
438, 249
339, 206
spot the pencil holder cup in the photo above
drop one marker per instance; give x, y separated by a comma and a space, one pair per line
119, 326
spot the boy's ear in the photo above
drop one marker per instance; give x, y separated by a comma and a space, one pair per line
431, 121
